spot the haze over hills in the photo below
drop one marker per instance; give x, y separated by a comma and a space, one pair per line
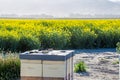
37, 16
60, 8
26, 16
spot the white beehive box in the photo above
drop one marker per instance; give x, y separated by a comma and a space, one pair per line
47, 65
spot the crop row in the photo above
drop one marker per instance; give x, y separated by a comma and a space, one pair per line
22, 35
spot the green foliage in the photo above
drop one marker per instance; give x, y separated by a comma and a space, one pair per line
54, 39
9, 68
22, 35
8, 41
82, 38
118, 47
80, 67
28, 43
116, 62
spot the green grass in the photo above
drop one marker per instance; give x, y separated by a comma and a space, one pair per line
9, 67
80, 67
116, 62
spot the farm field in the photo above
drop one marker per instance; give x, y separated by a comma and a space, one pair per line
18, 35
26, 34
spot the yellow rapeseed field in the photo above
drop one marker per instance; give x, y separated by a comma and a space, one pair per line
26, 34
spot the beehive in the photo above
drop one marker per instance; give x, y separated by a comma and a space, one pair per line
47, 65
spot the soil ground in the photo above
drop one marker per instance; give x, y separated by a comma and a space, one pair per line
101, 64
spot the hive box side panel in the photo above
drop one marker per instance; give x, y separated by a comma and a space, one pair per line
68, 69
40, 78
54, 69
71, 68
31, 68
53, 62
31, 61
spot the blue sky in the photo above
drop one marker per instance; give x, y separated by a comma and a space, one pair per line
59, 7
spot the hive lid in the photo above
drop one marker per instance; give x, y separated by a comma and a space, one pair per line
47, 54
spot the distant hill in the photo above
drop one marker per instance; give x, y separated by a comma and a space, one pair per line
37, 16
